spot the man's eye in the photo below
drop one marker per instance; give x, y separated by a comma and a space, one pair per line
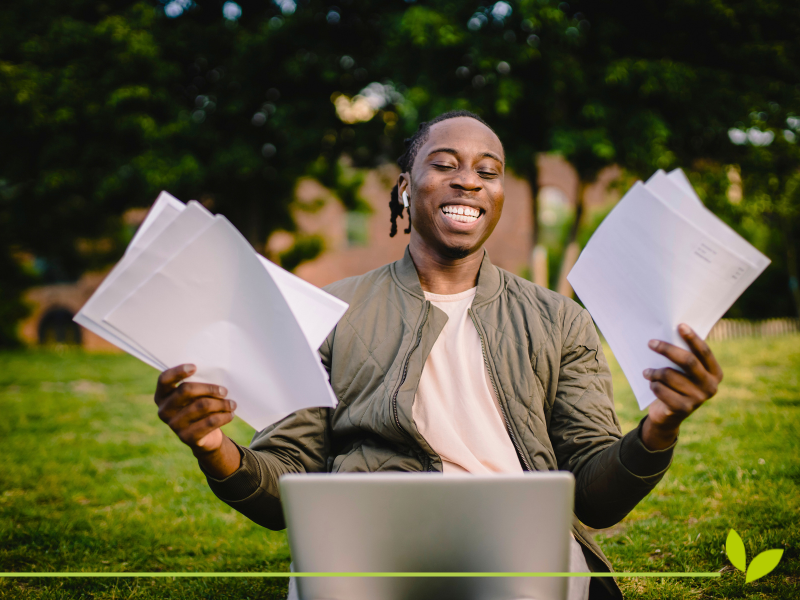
443, 166
487, 174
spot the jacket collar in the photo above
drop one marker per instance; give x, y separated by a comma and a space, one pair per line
490, 280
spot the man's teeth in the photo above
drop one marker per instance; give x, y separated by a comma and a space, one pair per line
462, 214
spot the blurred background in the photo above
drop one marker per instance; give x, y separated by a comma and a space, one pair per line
287, 116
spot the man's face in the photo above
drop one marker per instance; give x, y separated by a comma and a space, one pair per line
456, 187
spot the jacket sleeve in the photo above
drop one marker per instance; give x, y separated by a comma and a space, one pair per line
612, 473
300, 443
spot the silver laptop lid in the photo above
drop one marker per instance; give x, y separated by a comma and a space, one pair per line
401, 522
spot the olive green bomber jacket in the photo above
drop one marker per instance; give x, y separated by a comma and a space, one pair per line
547, 367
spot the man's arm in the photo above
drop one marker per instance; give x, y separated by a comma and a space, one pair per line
297, 444
614, 473
195, 412
244, 478
679, 394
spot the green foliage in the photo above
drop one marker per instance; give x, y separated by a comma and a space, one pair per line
13, 282
765, 209
104, 105
77, 125
344, 181
259, 98
426, 27
306, 247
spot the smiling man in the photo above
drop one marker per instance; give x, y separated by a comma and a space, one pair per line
446, 363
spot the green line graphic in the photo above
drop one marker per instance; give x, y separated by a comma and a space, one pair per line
338, 574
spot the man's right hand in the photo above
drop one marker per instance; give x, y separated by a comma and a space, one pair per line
195, 412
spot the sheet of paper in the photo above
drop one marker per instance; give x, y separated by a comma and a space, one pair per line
99, 330
190, 223
166, 208
647, 269
215, 305
316, 311
688, 205
174, 232
679, 178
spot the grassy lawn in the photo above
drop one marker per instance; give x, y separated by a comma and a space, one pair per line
91, 480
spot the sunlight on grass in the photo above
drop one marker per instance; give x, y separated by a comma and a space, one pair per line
93, 481
736, 466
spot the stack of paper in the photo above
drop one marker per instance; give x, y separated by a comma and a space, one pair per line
660, 259
191, 289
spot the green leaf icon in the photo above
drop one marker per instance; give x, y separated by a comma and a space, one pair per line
762, 564
734, 548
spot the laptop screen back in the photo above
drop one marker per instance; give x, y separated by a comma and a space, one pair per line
376, 522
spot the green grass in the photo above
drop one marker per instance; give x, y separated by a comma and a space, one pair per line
736, 466
91, 480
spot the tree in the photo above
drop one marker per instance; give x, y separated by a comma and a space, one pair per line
674, 96
580, 80
506, 63
73, 129
667, 97
102, 106
758, 193
261, 102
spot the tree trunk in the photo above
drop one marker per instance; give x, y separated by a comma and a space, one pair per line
533, 182
572, 250
792, 267
538, 259
539, 266
254, 221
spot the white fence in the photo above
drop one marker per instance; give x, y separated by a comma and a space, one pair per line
727, 329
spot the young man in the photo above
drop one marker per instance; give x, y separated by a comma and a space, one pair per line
446, 363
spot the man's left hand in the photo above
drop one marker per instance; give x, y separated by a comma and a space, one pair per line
679, 394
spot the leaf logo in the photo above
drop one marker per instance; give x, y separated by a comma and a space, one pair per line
761, 565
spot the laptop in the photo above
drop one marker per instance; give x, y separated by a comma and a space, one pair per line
403, 522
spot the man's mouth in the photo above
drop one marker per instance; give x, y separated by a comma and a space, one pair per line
461, 213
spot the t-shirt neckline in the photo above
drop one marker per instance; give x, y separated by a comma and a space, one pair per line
451, 297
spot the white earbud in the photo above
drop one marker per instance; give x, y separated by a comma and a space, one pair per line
405, 199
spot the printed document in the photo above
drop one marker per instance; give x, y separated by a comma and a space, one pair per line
191, 289
660, 259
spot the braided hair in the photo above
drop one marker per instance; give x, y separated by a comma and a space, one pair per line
406, 160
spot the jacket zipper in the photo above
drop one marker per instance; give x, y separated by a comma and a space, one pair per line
497, 395
405, 366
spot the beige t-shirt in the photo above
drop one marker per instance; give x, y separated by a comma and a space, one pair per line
455, 409
457, 413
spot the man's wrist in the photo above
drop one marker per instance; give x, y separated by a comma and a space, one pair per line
222, 462
658, 437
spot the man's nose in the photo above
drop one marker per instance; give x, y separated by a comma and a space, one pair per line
466, 179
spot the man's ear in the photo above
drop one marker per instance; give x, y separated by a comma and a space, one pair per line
403, 185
